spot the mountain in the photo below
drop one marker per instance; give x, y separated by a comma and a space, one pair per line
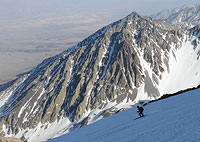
173, 119
129, 61
186, 16
2, 139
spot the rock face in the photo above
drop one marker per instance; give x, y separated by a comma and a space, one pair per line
186, 16
2, 139
113, 69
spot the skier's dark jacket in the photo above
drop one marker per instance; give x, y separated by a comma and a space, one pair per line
140, 109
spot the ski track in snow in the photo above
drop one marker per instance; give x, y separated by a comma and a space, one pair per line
174, 119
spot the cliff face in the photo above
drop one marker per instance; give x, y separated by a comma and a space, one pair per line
121, 64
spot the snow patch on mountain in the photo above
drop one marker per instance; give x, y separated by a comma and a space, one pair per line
184, 64
43, 132
8, 94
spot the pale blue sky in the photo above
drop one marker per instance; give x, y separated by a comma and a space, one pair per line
16, 9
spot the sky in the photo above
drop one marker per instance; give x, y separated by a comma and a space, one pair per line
25, 9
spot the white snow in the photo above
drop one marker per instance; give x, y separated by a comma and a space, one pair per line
184, 70
130, 22
142, 95
125, 104
24, 107
174, 119
4, 99
164, 36
42, 93
108, 63
44, 131
104, 53
8, 94
88, 95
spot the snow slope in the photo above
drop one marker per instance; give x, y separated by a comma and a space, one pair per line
184, 67
174, 119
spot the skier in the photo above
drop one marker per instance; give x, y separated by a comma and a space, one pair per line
140, 111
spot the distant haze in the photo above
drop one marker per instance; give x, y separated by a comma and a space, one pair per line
26, 9
32, 30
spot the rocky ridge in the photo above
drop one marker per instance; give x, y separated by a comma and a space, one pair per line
187, 16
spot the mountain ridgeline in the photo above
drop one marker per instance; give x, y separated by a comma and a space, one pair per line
187, 16
121, 64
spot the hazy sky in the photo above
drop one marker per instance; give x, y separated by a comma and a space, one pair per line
18, 9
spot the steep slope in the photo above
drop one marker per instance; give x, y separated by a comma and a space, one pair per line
174, 119
186, 16
133, 59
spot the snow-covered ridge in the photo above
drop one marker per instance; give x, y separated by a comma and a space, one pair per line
186, 16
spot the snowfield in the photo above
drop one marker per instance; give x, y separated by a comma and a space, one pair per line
175, 119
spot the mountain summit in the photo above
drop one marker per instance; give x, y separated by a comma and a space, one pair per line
131, 60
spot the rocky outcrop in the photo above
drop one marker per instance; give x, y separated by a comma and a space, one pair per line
3, 139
